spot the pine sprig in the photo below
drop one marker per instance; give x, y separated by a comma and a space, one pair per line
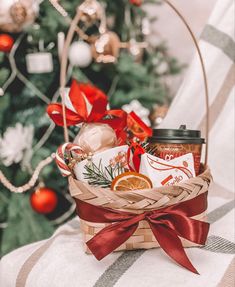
100, 175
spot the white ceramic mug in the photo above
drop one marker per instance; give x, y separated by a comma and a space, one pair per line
105, 159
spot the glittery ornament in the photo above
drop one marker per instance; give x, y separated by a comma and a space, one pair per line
44, 200
17, 15
106, 48
91, 11
6, 43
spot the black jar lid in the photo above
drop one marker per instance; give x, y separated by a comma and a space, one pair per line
181, 135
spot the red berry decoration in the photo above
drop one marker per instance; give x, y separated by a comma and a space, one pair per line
136, 2
6, 43
44, 200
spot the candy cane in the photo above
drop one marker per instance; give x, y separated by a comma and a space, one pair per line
62, 157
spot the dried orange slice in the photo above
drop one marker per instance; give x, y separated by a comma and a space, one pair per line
128, 181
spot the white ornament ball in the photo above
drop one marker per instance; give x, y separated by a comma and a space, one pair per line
17, 15
80, 54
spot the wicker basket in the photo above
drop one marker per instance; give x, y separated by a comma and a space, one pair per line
138, 201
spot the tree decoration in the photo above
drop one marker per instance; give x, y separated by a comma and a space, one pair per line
15, 144
44, 200
41, 60
106, 48
6, 43
91, 11
39, 63
16, 15
136, 50
33, 180
136, 2
145, 26
80, 54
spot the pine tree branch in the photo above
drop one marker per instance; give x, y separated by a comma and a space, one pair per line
102, 176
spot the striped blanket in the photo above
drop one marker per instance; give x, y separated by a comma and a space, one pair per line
60, 260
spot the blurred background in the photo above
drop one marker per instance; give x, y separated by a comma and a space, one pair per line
168, 27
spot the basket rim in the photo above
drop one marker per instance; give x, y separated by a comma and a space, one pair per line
205, 175
138, 201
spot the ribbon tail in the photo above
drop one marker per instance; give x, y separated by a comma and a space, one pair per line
137, 150
111, 237
171, 244
191, 229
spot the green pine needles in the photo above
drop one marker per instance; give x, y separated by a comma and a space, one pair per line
100, 175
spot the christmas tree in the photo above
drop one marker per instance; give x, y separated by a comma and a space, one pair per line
31, 39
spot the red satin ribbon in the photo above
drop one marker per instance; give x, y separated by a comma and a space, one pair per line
136, 150
167, 225
138, 127
82, 95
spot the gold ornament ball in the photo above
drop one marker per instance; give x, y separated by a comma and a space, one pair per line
17, 15
106, 48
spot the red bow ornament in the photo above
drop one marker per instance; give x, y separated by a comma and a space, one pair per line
87, 104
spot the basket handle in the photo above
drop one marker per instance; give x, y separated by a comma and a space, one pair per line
64, 62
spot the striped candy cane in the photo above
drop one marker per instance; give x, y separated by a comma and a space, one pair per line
64, 154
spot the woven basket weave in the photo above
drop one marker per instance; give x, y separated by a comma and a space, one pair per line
137, 201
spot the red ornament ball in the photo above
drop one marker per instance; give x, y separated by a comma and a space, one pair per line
44, 200
6, 43
136, 2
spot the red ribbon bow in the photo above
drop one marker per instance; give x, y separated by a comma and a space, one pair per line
135, 150
86, 104
167, 225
